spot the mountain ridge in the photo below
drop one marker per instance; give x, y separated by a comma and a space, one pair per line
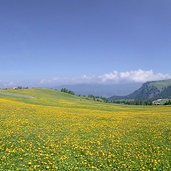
150, 90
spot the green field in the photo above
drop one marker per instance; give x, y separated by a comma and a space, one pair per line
42, 129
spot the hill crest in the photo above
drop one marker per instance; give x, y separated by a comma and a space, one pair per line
151, 90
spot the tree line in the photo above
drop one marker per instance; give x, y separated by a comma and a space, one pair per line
133, 102
168, 102
64, 90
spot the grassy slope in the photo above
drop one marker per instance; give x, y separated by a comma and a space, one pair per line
47, 97
57, 131
161, 84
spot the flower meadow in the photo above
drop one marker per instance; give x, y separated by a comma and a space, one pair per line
70, 133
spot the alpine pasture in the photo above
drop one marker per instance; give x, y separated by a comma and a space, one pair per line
42, 129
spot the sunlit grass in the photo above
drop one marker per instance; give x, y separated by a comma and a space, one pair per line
76, 134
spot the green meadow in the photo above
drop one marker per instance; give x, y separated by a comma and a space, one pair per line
43, 129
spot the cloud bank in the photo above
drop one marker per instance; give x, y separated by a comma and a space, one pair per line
115, 77
134, 76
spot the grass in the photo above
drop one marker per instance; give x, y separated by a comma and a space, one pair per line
57, 131
161, 84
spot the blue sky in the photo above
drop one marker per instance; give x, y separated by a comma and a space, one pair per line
84, 39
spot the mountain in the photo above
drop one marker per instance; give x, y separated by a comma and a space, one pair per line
105, 90
148, 91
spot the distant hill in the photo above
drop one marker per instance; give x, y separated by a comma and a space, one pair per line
148, 91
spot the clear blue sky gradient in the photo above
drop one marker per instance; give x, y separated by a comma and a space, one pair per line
46, 38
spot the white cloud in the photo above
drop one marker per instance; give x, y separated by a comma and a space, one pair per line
113, 77
134, 76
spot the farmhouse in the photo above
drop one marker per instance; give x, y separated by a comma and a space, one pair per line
159, 101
